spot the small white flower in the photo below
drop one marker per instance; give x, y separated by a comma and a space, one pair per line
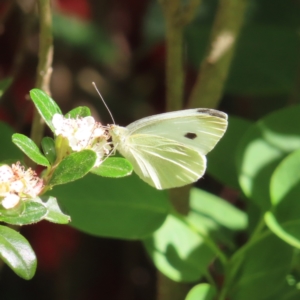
17, 184
57, 122
83, 133
6, 173
10, 201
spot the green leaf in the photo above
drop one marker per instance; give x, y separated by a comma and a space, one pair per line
215, 216
262, 147
30, 149
80, 111
45, 105
282, 230
202, 291
114, 167
285, 182
48, 146
218, 209
73, 167
10, 151
33, 212
54, 214
222, 160
178, 251
285, 190
4, 84
262, 270
125, 208
17, 253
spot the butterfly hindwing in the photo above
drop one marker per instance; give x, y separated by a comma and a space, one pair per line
163, 163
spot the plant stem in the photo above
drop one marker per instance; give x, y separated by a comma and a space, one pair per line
237, 259
214, 69
44, 69
177, 16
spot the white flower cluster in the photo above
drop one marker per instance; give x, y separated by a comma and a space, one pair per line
17, 184
83, 133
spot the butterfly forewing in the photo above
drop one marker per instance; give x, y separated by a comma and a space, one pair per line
197, 128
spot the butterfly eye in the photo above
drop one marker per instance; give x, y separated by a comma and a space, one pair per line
190, 135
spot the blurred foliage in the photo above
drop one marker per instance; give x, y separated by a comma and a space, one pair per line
254, 169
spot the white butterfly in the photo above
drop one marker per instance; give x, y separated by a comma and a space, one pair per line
168, 150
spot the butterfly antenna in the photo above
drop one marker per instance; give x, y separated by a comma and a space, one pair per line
112, 118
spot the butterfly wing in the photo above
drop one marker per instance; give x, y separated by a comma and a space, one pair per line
163, 163
167, 150
198, 128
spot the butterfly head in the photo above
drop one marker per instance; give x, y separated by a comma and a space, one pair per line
118, 134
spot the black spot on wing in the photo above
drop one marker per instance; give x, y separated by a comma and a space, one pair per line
190, 135
212, 112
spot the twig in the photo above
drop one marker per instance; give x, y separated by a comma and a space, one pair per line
215, 68
44, 69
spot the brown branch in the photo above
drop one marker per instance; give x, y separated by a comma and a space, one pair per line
215, 68
44, 69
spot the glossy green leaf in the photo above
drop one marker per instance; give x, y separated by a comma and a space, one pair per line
263, 146
218, 209
33, 212
30, 149
73, 167
221, 161
54, 213
215, 216
4, 84
80, 111
45, 105
285, 182
178, 251
124, 208
48, 146
202, 291
263, 268
282, 230
17, 253
285, 190
114, 167
10, 151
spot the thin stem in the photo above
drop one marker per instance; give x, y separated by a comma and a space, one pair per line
257, 234
177, 16
44, 69
237, 259
214, 69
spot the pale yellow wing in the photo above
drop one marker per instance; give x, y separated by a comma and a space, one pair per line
163, 163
